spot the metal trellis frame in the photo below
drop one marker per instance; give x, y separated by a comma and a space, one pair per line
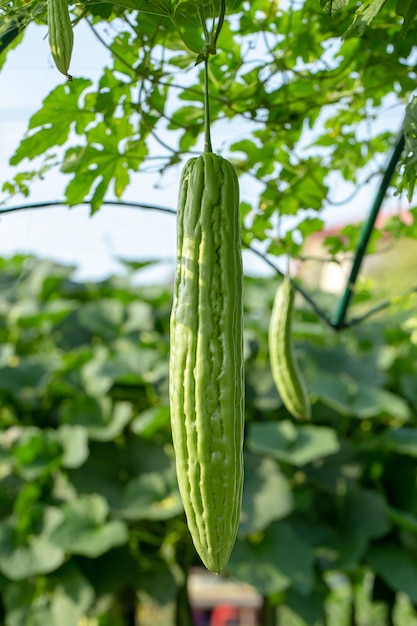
339, 320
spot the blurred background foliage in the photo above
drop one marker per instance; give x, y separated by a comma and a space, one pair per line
91, 523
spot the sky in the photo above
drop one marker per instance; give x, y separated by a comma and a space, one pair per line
71, 236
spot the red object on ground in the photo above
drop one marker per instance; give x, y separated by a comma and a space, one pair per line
224, 615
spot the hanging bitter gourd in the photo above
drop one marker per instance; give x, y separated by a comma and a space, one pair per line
61, 37
206, 356
286, 373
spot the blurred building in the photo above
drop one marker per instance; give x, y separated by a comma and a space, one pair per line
392, 256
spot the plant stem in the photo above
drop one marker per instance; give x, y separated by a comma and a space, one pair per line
219, 24
183, 613
204, 25
268, 613
207, 136
208, 39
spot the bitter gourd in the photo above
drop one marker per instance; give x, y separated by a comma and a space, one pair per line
206, 356
286, 373
61, 37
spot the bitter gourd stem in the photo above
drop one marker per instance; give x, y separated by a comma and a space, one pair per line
210, 48
207, 136
219, 22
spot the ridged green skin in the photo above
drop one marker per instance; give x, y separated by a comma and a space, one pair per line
61, 37
206, 356
285, 371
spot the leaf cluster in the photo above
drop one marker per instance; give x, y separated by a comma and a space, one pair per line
294, 104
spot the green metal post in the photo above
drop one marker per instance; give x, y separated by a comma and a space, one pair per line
339, 319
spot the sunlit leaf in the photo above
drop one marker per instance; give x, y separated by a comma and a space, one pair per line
366, 13
37, 453
274, 560
54, 120
150, 421
297, 445
36, 554
74, 441
152, 496
73, 595
69, 597
266, 495
100, 420
358, 400
409, 160
331, 7
85, 528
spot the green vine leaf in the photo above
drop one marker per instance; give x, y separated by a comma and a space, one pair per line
366, 13
53, 122
102, 162
155, 7
30, 555
409, 162
408, 10
181, 4
331, 7
397, 567
275, 560
85, 529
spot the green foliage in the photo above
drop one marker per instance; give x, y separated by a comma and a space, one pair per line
90, 512
408, 10
90, 515
366, 13
302, 85
282, 560
369, 9
410, 160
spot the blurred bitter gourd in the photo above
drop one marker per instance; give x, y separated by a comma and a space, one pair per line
206, 356
286, 373
61, 37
